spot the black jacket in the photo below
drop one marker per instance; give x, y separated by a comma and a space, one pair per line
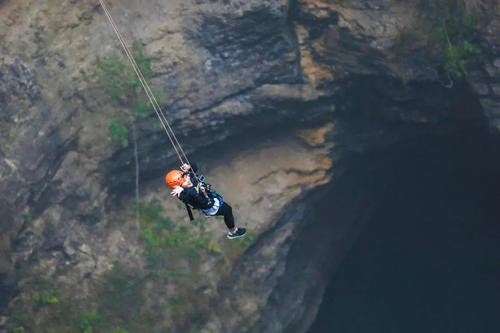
191, 197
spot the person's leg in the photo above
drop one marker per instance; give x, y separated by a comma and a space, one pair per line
226, 211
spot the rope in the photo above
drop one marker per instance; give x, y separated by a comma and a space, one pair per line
152, 99
140, 76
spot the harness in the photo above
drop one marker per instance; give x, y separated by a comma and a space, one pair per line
210, 195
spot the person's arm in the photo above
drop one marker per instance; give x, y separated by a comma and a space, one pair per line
189, 168
194, 198
183, 195
177, 191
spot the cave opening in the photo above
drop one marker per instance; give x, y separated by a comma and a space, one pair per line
427, 257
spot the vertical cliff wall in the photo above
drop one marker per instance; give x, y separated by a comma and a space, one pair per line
270, 96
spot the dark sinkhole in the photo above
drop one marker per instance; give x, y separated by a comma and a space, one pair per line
428, 258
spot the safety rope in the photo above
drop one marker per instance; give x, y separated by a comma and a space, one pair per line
166, 125
158, 110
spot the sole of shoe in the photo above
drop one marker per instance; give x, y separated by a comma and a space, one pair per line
233, 237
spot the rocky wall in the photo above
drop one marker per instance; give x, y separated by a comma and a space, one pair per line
269, 94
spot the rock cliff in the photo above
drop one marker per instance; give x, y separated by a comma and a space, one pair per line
272, 98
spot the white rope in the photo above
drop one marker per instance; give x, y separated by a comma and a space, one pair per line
166, 125
140, 76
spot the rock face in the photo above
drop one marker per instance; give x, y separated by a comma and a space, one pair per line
486, 81
269, 95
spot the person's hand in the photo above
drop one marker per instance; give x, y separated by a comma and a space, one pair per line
177, 191
185, 167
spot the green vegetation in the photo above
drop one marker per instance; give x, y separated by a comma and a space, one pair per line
454, 23
39, 309
459, 57
117, 78
247, 240
165, 242
487, 101
124, 300
56, 309
120, 330
118, 131
173, 252
450, 18
44, 298
87, 320
120, 81
449, 31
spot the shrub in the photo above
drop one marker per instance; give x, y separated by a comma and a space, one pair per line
459, 57
86, 321
44, 298
118, 132
116, 77
450, 31
164, 241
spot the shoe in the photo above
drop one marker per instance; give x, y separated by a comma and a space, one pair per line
240, 232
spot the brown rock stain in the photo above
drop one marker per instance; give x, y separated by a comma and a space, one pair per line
315, 137
314, 71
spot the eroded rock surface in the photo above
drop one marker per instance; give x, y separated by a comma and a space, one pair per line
267, 95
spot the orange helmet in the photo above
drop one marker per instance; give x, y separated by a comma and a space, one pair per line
174, 178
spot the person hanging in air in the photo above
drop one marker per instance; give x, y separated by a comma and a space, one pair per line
192, 190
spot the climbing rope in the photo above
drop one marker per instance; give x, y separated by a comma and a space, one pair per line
158, 110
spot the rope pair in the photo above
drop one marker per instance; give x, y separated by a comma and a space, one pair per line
161, 116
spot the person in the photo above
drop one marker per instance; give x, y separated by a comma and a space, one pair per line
187, 188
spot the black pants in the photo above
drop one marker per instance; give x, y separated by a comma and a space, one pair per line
227, 212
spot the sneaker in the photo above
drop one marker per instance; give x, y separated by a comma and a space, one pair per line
240, 232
